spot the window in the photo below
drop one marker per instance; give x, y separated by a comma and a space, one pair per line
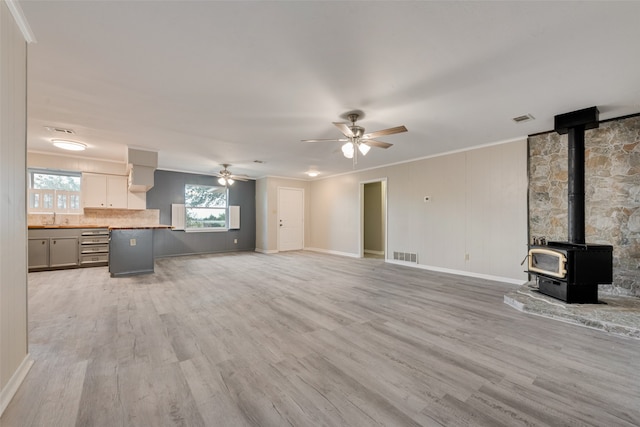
205, 208
54, 191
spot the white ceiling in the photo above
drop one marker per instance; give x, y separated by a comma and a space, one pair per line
211, 82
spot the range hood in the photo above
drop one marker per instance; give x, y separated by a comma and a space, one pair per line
142, 165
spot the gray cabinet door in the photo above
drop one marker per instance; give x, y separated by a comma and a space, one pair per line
63, 252
38, 253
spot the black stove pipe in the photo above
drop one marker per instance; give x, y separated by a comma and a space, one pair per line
574, 124
575, 185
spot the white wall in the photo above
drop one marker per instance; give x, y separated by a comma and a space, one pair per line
14, 359
72, 163
478, 208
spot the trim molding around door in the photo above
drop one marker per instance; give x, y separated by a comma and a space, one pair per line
384, 215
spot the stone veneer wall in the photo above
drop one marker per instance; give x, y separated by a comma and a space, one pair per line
612, 194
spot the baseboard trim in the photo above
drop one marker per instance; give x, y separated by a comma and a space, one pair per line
369, 251
266, 251
16, 379
459, 272
330, 252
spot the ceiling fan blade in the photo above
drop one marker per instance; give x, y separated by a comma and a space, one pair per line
374, 143
390, 131
326, 140
239, 177
344, 128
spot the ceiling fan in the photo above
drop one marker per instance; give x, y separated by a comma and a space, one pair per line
225, 177
356, 138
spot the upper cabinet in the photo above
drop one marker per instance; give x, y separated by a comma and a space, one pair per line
104, 191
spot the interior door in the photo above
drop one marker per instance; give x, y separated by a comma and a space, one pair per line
290, 219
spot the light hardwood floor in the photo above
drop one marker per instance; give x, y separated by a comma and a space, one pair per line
306, 339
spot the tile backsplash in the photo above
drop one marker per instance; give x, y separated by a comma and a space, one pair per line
108, 217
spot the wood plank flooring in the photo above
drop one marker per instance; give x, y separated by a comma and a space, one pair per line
307, 339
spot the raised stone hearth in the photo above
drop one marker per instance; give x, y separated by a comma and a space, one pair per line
614, 314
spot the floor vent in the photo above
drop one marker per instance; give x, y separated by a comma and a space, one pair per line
406, 256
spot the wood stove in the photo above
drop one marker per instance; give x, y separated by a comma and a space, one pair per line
571, 271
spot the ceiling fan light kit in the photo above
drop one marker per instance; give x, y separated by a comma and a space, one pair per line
347, 150
226, 178
355, 137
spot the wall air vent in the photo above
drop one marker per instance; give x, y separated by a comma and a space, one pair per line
524, 118
406, 256
60, 130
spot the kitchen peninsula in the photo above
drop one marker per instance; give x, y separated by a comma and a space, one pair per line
131, 250
72, 245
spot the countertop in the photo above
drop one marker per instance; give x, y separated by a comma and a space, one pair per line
67, 226
110, 227
139, 227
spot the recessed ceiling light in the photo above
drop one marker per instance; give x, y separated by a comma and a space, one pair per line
69, 145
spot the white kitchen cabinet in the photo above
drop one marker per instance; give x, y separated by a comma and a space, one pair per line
104, 191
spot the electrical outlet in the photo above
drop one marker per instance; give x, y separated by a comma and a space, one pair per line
132, 242
466, 257
235, 241
427, 199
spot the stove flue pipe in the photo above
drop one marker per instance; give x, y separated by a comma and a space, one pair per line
574, 124
575, 185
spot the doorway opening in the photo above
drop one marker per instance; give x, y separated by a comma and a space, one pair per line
373, 219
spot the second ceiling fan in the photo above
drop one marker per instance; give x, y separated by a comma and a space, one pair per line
356, 140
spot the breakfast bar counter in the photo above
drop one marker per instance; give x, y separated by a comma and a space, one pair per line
131, 249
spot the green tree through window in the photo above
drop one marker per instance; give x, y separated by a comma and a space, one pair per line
206, 207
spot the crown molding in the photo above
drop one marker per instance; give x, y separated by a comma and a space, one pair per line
21, 20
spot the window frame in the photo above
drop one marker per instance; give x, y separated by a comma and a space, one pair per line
56, 195
224, 208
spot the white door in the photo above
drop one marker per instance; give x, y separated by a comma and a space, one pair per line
290, 219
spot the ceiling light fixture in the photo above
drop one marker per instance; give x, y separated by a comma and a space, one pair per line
355, 137
225, 181
313, 174
69, 145
225, 177
349, 150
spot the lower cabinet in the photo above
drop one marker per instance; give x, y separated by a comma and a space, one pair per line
63, 252
38, 253
67, 248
